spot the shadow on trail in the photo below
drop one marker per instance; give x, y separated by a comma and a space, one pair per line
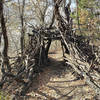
54, 68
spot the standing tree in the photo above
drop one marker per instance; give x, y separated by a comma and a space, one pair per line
21, 11
5, 63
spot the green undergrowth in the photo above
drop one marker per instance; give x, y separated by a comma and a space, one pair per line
4, 96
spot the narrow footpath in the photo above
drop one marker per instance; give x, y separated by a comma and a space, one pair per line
57, 82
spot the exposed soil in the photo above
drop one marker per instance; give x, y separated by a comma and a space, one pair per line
57, 82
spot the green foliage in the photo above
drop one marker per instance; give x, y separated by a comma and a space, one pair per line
88, 21
83, 3
86, 3
73, 15
3, 96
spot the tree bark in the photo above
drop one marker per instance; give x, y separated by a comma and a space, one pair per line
4, 33
22, 40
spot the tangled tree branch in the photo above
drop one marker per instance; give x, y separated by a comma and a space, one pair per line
76, 59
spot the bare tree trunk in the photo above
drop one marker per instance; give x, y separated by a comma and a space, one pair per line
0, 37
0, 22
22, 40
53, 19
4, 33
47, 47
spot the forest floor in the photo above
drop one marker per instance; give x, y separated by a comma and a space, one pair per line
57, 82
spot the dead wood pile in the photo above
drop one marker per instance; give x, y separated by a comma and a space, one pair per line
82, 57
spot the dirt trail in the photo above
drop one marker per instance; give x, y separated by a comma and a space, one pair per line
57, 82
